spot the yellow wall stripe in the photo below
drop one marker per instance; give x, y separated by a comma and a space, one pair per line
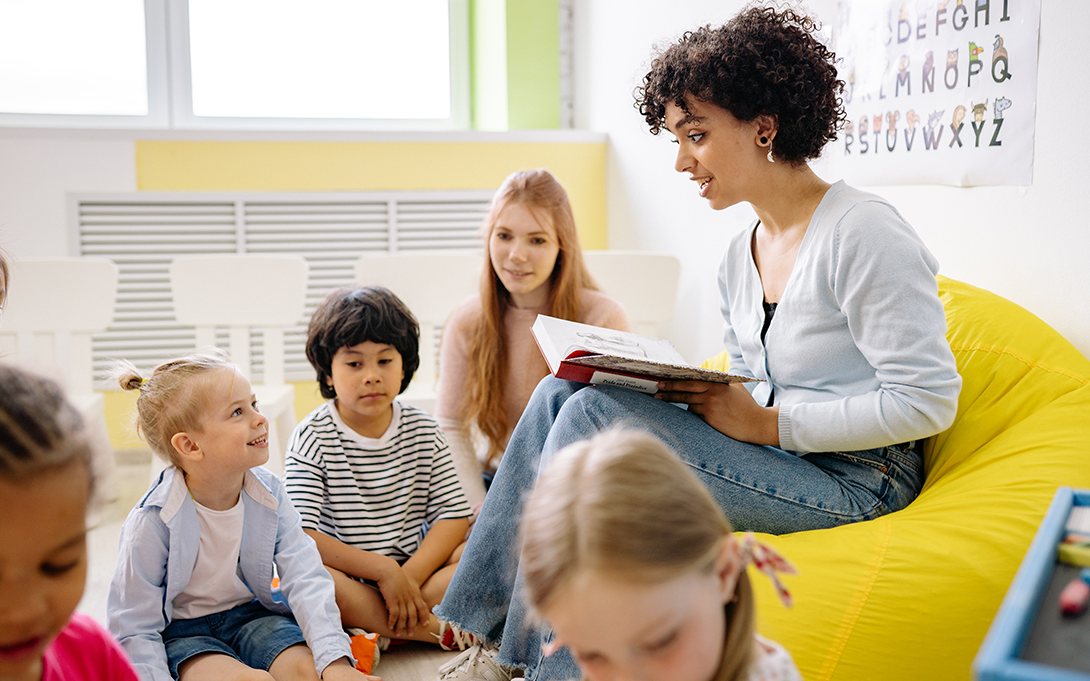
362, 166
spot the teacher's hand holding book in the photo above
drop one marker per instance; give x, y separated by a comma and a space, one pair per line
727, 407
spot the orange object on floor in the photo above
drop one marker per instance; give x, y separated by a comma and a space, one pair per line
365, 650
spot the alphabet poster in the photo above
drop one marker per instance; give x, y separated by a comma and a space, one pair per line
938, 91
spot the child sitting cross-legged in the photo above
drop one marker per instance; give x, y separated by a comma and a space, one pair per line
191, 597
373, 478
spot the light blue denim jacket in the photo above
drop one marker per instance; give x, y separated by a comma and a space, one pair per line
158, 549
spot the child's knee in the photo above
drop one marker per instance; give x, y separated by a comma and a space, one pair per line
219, 667
592, 410
295, 663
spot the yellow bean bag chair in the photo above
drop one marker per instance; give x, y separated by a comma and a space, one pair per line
911, 595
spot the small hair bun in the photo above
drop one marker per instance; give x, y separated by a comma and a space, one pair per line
131, 381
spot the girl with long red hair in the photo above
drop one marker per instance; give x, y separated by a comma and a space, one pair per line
488, 361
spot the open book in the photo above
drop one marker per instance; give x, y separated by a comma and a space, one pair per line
592, 354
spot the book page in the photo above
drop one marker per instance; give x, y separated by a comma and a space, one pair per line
583, 338
545, 343
624, 354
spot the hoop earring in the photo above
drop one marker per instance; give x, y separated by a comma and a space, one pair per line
770, 159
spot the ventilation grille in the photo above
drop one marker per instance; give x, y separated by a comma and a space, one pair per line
143, 233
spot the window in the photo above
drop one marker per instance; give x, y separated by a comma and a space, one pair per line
235, 64
324, 63
66, 62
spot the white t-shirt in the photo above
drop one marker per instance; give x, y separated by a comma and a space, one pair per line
216, 584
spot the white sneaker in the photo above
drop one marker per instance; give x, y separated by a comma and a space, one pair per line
475, 664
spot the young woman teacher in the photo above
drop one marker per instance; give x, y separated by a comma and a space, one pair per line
829, 297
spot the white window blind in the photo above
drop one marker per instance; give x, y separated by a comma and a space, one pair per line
144, 232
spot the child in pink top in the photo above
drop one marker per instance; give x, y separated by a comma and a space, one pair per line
45, 486
84, 650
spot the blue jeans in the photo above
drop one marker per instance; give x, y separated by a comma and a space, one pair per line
249, 633
760, 488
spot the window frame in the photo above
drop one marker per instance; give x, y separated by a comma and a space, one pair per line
170, 92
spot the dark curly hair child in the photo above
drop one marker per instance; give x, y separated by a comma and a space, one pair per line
350, 316
372, 478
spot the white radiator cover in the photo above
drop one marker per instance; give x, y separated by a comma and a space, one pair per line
142, 232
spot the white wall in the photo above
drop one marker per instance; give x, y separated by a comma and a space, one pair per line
1028, 244
37, 169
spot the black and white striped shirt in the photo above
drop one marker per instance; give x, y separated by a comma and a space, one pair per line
379, 495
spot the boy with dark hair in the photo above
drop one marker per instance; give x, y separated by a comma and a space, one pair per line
372, 478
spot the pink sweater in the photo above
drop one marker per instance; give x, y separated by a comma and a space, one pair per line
84, 650
525, 368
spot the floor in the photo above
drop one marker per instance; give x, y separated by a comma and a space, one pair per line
408, 662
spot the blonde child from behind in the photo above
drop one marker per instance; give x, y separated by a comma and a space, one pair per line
643, 590
191, 597
45, 487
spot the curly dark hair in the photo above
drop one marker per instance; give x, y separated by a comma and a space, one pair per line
761, 62
40, 431
348, 317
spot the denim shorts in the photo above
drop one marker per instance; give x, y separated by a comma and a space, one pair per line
249, 633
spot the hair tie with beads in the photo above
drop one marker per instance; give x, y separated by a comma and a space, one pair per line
769, 561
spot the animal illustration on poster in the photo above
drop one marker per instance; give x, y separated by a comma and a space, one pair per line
967, 67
